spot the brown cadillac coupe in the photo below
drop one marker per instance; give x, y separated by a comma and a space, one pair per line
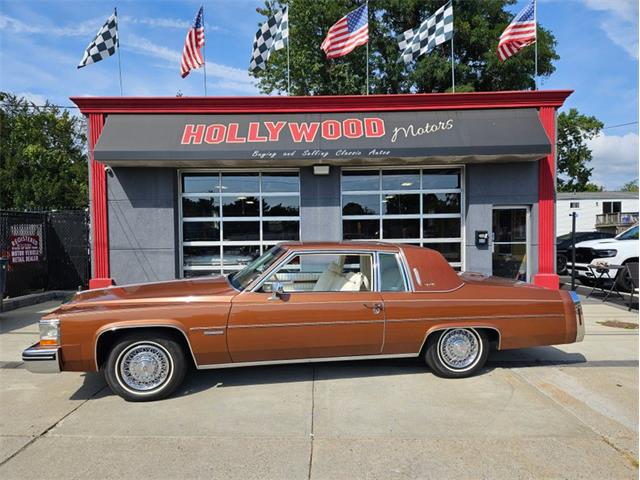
301, 302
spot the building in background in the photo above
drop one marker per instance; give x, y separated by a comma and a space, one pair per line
182, 187
611, 212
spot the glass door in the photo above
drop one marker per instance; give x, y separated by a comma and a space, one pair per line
510, 242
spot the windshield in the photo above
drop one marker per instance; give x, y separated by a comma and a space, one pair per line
253, 270
631, 234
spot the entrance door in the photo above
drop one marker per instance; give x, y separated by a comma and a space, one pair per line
510, 246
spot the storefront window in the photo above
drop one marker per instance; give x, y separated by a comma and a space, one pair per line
229, 218
418, 206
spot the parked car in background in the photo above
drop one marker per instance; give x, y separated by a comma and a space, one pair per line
563, 244
619, 250
302, 302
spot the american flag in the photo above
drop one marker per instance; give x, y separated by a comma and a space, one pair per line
191, 55
349, 32
520, 32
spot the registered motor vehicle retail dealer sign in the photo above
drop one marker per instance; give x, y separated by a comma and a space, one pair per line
187, 137
24, 248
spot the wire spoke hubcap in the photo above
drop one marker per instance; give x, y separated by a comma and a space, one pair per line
145, 367
459, 348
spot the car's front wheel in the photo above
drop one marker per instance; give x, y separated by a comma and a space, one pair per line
457, 352
143, 367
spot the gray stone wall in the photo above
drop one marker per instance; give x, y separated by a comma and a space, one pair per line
143, 222
498, 184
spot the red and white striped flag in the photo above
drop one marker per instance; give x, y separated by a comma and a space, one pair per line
191, 56
349, 32
520, 33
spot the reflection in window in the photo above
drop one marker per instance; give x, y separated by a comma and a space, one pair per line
417, 206
200, 207
268, 203
360, 204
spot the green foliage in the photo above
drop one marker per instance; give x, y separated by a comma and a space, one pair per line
43, 160
574, 130
631, 186
477, 28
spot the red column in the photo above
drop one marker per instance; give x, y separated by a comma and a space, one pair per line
100, 238
546, 276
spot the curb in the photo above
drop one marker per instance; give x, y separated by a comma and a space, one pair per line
33, 298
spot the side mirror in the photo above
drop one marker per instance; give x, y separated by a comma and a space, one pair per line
277, 289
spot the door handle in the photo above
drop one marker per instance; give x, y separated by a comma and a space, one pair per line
376, 307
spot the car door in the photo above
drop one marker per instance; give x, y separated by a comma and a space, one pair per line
321, 314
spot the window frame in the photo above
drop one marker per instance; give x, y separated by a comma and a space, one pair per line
421, 239
221, 243
293, 253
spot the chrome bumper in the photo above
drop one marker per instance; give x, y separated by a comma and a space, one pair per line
39, 359
579, 317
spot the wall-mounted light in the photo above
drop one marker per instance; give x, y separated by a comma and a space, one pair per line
321, 169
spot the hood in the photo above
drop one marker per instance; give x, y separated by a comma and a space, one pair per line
602, 243
210, 289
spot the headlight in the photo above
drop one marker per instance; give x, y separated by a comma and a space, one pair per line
605, 253
50, 332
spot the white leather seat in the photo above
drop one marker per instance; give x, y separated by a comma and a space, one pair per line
333, 280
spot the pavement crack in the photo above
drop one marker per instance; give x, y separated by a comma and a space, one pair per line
51, 427
313, 405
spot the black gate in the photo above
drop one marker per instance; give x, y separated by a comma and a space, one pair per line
46, 250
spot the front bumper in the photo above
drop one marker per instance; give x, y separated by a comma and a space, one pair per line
580, 328
40, 359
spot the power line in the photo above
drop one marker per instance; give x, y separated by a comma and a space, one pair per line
620, 125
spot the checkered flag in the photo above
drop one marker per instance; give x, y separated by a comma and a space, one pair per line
436, 29
273, 35
105, 43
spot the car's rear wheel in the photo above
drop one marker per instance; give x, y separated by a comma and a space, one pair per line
561, 264
457, 352
143, 367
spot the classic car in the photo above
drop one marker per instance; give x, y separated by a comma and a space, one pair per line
301, 302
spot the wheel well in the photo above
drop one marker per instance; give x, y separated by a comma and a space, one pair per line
493, 335
108, 339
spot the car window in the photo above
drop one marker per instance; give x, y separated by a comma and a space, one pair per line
631, 234
312, 272
253, 270
391, 278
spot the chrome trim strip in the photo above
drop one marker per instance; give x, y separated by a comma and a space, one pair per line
449, 327
123, 327
41, 360
479, 317
196, 329
306, 360
306, 324
218, 331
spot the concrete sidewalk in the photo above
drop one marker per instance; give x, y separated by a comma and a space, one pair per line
553, 412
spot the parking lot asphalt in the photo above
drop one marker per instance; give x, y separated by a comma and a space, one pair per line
569, 411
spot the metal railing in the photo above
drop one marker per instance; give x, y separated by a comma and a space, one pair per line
618, 219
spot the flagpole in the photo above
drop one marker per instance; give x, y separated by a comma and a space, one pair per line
288, 64
367, 61
204, 56
535, 21
453, 71
115, 12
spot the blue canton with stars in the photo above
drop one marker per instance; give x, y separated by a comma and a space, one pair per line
357, 19
526, 15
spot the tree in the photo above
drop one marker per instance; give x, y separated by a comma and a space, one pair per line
631, 186
477, 28
43, 156
574, 130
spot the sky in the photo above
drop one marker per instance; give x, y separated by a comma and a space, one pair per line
42, 42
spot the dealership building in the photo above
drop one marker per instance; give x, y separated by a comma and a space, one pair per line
190, 186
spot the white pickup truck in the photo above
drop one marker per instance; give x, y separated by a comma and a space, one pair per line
615, 251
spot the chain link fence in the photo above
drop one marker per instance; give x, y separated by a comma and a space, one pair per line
45, 250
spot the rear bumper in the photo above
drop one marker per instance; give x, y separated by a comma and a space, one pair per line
40, 359
580, 328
